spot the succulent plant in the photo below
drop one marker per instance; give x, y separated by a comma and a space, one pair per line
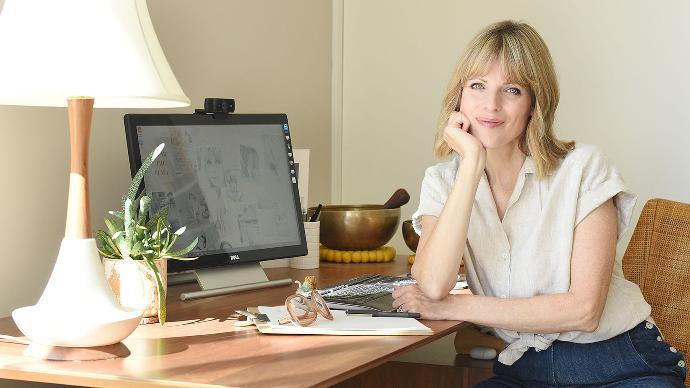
132, 234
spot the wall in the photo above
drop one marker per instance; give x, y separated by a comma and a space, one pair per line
622, 67
270, 55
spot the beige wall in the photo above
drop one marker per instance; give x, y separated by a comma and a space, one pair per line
622, 67
270, 55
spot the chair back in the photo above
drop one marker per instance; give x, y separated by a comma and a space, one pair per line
658, 260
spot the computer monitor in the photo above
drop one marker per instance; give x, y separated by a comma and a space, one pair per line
232, 182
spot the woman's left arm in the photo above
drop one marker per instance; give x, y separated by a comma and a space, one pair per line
579, 309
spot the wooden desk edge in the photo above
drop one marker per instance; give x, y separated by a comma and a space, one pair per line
381, 360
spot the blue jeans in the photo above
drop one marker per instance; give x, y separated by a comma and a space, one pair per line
637, 358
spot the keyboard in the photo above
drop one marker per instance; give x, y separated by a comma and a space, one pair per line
368, 292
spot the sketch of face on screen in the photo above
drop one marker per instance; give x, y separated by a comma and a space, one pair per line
211, 167
250, 162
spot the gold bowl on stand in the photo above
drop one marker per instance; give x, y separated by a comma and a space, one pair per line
357, 227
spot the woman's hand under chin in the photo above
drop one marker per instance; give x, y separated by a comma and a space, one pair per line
411, 299
457, 136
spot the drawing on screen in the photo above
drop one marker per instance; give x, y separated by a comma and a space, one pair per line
248, 224
232, 189
197, 207
250, 162
201, 245
211, 167
181, 146
269, 155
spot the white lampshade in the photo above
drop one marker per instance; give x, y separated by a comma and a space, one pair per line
106, 49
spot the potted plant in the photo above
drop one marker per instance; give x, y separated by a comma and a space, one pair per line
135, 248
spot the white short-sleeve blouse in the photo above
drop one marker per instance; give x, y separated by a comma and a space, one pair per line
529, 253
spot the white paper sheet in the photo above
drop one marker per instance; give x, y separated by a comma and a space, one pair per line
342, 322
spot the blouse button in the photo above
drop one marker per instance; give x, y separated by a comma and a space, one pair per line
681, 364
658, 338
672, 349
649, 325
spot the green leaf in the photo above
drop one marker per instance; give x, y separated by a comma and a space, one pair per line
158, 237
144, 204
139, 176
107, 241
161, 215
186, 249
162, 312
117, 214
170, 243
108, 255
112, 228
129, 221
181, 230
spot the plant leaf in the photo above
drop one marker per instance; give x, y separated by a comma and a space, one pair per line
181, 230
139, 176
107, 240
108, 255
144, 204
173, 238
162, 312
112, 228
117, 214
186, 249
161, 214
129, 220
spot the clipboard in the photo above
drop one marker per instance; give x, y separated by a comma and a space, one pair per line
342, 324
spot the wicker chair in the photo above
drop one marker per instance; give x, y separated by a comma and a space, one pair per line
658, 260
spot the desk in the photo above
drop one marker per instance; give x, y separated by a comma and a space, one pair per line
200, 347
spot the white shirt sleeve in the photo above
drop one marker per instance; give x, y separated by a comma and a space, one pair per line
436, 185
600, 182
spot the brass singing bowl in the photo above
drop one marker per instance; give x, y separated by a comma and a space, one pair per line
357, 227
409, 235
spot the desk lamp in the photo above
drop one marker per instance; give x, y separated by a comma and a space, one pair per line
81, 54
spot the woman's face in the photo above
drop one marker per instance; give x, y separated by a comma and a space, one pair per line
498, 111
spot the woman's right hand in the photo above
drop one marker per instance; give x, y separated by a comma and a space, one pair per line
457, 136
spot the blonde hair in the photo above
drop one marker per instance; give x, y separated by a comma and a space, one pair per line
524, 60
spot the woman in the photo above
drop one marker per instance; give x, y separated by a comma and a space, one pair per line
537, 220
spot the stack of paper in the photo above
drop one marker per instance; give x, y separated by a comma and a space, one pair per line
342, 324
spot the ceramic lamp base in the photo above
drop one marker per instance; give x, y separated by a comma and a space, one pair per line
77, 308
60, 353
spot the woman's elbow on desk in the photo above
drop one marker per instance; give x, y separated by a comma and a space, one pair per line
432, 289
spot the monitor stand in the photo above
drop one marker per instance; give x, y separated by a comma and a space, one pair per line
225, 280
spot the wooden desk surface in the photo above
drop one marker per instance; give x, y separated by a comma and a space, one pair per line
200, 346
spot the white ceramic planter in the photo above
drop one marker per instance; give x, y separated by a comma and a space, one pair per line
134, 285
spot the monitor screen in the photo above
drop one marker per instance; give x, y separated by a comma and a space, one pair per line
231, 181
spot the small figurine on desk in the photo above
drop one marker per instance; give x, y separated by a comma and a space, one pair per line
307, 287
